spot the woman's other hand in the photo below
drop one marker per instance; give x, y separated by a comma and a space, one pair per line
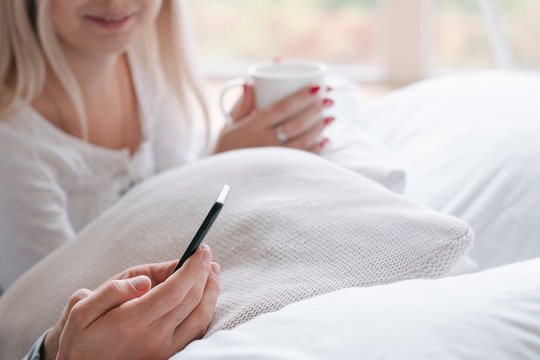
294, 122
143, 312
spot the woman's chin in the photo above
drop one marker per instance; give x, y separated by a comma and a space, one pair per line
106, 47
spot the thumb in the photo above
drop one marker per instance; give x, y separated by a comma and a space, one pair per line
245, 105
141, 283
111, 295
249, 95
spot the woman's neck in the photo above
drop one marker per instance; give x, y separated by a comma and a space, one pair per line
93, 73
109, 98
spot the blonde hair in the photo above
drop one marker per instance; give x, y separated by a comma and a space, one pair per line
28, 43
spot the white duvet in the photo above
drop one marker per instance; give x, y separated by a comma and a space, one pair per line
491, 315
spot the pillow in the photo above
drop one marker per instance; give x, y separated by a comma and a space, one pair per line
493, 315
295, 226
470, 146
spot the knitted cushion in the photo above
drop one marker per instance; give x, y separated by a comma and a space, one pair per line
295, 226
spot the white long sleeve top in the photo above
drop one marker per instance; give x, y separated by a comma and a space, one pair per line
53, 184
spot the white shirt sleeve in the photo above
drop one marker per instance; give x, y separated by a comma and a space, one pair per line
33, 215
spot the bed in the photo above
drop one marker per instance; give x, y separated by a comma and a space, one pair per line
365, 252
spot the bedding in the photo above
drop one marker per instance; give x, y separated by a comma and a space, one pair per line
470, 146
493, 314
355, 148
352, 145
295, 226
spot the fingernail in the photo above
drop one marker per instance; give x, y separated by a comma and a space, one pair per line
140, 283
215, 268
328, 102
328, 88
206, 258
324, 142
314, 89
329, 120
204, 247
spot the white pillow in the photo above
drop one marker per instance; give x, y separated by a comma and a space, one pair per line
470, 146
295, 226
492, 315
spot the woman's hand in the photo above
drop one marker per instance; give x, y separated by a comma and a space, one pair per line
295, 122
143, 312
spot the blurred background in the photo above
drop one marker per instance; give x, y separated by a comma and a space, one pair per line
383, 44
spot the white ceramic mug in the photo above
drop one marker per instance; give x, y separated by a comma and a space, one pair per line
274, 81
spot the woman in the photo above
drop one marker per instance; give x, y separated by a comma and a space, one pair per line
142, 313
95, 97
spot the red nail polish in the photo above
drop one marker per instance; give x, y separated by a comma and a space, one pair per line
314, 89
324, 142
328, 102
329, 120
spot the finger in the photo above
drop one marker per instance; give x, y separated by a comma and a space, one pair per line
182, 310
308, 139
78, 296
157, 273
169, 294
113, 294
196, 324
288, 107
245, 105
249, 101
52, 339
304, 121
316, 149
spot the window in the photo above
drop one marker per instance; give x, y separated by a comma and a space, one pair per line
522, 26
461, 37
397, 41
344, 32
463, 33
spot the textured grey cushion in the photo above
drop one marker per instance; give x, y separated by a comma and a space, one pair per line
295, 226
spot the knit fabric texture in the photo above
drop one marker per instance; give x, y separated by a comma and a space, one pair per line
295, 226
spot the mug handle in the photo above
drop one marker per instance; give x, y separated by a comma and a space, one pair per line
229, 85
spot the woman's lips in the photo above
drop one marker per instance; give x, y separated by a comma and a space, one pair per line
111, 21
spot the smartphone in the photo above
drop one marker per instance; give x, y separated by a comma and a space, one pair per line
205, 226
